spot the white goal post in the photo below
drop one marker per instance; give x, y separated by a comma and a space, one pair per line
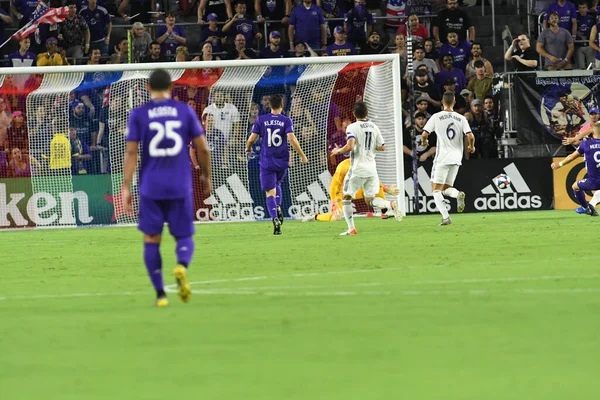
62, 133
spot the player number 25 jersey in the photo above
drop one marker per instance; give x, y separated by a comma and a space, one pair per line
362, 159
164, 127
450, 129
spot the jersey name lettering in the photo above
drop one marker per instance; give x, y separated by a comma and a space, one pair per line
158, 112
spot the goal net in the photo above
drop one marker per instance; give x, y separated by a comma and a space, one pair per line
62, 134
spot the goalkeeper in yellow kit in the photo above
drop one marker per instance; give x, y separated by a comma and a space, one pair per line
336, 194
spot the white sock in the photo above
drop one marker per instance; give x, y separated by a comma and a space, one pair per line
347, 207
595, 199
380, 203
439, 202
451, 192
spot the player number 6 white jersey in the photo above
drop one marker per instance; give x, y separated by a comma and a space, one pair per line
362, 159
450, 128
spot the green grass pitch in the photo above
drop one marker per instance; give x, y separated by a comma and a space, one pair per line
496, 306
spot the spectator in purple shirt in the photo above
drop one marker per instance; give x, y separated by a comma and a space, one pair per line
450, 72
358, 24
221, 8
340, 47
567, 14
170, 36
459, 50
584, 54
212, 33
307, 24
99, 24
241, 24
23, 10
273, 50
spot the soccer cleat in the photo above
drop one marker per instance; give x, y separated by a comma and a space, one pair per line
162, 301
280, 215
593, 212
460, 202
397, 211
446, 221
310, 218
384, 215
276, 226
580, 210
185, 291
349, 232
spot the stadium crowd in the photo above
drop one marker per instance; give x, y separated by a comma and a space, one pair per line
445, 51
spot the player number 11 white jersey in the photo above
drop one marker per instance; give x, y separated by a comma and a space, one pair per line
450, 128
362, 159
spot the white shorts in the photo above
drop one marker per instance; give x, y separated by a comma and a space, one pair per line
352, 184
444, 174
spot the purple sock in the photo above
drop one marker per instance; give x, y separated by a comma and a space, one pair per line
184, 250
272, 206
278, 197
580, 196
154, 264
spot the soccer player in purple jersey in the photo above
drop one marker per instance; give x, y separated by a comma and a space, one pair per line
590, 149
165, 127
275, 130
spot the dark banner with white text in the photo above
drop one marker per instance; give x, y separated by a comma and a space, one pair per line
553, 108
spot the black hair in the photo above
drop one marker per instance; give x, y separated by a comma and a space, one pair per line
276, 102
448, 98
159, 80
360, 110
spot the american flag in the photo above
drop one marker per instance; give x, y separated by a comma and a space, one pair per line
42, 15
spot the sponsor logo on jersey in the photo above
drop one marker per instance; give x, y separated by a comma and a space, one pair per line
515, 197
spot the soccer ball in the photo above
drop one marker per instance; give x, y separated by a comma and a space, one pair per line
502, 181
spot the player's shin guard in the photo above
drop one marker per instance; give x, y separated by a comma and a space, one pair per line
348, 213
596, 198
451, 192
278, 196
184, 250
380, 203
272, 206
439, 202
153, 263
580, 196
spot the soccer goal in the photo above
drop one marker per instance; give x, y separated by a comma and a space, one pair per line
62, 133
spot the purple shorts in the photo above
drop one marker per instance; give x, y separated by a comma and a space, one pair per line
269, 179
178, 213
588, 184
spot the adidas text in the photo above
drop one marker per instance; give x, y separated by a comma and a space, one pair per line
426, 204
514, 201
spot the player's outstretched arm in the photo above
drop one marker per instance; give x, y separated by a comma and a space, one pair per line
568, 159
424, 139
203, 154
470, 142
251, 140
380, 148
294, 142
348, 147
131, 155
578, 138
